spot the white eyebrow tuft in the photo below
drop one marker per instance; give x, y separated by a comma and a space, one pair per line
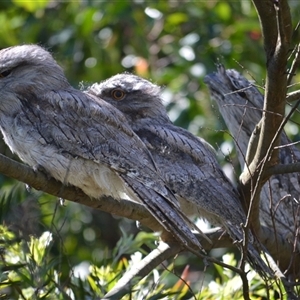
139, 85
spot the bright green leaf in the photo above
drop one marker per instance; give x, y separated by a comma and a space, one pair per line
31, 6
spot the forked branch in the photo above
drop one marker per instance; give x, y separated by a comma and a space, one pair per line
276, 26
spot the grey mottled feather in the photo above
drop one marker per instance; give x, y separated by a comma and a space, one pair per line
77, 140
188, 164
240, 103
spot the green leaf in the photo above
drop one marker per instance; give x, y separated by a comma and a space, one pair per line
31, 6
38, 246
177, 18
223, 10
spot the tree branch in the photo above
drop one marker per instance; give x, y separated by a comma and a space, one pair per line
138, 271
267, 18
40, 181
276, 27
159, 255
283, 169
279, 210
293, 96
295, 64
123, 208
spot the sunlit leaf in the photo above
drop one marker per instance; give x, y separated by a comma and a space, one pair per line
38, 246
31, 6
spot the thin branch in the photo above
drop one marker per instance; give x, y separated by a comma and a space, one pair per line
276, 136
161, 253
143, 268
293, 96
295, 64
282, 254
262, 177
276, 84
283, 169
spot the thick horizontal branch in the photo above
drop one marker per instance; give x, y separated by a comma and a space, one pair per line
122, 208
40, 181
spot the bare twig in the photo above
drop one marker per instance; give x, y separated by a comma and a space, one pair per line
295, 64
293, 96
151, 261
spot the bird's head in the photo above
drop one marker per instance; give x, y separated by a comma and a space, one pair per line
29, 69
136, 97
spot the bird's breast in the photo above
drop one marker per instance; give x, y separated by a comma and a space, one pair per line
93, 178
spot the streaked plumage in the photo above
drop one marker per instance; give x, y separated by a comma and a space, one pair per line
187, 163
240, 104
78, 140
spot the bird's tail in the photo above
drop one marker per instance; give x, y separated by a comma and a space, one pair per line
168, 215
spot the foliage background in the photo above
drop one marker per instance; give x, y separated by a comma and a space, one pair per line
173, 43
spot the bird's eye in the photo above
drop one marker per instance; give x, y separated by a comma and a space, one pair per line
118, 94
5, 73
